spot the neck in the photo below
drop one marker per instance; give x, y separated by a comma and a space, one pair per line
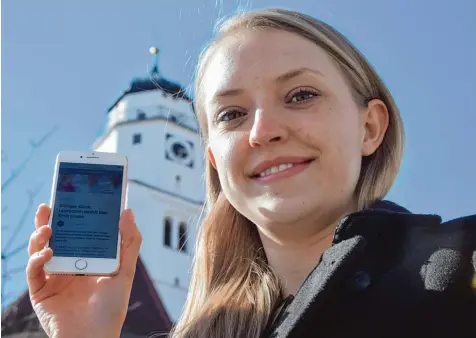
293, 261
293, 254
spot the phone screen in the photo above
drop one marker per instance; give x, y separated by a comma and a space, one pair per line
86, 211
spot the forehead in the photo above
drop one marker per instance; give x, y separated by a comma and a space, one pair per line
249, 56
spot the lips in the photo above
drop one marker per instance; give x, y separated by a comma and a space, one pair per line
278, 164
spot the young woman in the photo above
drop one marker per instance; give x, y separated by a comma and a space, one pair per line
303, 142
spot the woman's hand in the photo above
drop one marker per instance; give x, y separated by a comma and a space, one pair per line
81, 306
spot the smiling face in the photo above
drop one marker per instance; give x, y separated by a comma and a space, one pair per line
284, 131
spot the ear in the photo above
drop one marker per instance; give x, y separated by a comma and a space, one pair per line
211, 157
375, 121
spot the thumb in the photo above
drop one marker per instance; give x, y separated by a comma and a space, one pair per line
131, 240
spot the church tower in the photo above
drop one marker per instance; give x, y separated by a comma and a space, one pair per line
154, 125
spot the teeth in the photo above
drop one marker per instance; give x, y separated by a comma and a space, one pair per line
275, 169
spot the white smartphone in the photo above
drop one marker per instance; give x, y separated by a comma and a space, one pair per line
87, 198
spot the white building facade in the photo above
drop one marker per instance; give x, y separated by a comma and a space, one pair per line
154, 125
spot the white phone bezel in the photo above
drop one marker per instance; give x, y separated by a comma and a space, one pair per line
95, 266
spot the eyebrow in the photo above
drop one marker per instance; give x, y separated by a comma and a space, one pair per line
229, 92
296, 72
281, 78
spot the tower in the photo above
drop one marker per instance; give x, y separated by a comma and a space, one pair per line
154, 125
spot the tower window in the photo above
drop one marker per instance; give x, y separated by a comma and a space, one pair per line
136, 138
182, 237
167, 232
140, 115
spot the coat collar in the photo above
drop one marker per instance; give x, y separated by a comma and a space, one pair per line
368, 233
383, 219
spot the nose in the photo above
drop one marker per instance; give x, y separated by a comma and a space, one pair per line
267, 128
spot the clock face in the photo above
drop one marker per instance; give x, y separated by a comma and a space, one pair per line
179, 150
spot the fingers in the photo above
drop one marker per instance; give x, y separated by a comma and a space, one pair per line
35, 274
43, 232
39, 255
130, 246
42, 215
38, 239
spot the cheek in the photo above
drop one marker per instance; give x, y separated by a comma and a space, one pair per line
337, 145
229, 152
221, 151
345, 163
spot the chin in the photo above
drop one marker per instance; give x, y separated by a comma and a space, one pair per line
285, 210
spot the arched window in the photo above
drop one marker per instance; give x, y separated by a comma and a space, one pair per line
167, 232
182, 237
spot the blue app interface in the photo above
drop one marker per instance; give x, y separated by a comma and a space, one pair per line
87, 210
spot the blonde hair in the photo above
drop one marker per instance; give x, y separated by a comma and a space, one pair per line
233, 291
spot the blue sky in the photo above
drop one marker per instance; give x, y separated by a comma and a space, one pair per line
65, 62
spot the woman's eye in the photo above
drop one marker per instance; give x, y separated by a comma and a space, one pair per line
303, 95
229, 115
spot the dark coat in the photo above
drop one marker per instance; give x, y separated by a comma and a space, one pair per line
389, 273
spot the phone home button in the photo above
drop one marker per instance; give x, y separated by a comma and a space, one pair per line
81, 264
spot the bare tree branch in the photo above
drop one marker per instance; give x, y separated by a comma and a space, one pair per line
4, 210
16, 270
18, 249
6, 254
23, 218
4, 280
34, 147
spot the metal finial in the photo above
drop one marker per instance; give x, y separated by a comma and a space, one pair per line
155, 51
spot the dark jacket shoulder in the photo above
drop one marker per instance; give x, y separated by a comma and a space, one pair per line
389, 273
